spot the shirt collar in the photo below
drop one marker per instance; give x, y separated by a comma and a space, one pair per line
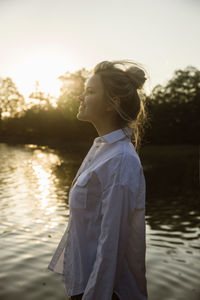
114, 136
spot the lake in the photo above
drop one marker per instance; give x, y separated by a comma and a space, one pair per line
34, 212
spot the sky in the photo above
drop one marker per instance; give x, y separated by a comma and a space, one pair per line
42, 39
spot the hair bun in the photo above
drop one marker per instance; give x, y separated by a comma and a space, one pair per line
137, 76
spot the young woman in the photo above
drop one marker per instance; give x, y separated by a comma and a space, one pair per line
101, 255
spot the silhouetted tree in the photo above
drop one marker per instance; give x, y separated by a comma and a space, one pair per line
175, 108
44, 100
183, 87
12, 103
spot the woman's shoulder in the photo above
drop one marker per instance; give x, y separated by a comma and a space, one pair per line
119, 167
117, 157
126, 155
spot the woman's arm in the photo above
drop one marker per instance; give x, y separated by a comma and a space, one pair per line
118, 203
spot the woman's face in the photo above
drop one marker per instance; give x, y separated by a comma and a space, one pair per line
92, 104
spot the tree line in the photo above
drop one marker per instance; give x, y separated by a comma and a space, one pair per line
173, 111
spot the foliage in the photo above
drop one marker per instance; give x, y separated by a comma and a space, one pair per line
44, 100
183, 87
12, 103
175, 108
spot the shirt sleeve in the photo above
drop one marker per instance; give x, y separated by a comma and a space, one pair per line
118, 203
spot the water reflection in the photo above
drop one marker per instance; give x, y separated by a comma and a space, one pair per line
175, 214
34, 185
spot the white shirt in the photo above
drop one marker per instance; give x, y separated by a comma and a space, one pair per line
103, 248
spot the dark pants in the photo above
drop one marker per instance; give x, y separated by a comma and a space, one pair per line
79, 297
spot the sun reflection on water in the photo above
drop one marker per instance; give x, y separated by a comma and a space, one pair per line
42, 169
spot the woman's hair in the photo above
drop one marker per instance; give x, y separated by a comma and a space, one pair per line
125, 82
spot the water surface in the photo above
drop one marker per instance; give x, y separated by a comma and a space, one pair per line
34, 185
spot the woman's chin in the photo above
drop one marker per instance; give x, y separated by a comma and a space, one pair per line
80, 116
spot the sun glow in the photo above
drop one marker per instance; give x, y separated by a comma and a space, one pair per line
44, 68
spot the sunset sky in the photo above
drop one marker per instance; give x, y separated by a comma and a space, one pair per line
42, 39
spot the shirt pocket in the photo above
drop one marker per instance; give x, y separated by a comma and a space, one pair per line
79, 191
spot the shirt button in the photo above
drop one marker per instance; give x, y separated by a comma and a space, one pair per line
89, 159
97, 146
